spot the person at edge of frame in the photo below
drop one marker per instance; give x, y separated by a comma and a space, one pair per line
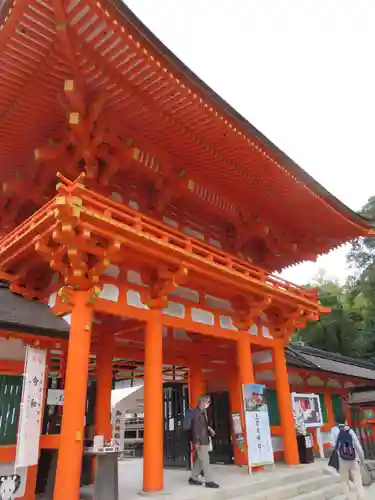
349, 470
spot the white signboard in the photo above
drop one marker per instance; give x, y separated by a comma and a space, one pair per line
31, 408
307, 409
55, 397
307, 406
258, 431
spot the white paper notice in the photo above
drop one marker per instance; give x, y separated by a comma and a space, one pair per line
55, 397
258, 432
119, 429
31, 408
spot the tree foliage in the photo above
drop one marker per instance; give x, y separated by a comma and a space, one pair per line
362, 259
340, 330
350, 327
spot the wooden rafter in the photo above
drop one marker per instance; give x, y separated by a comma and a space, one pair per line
47, 44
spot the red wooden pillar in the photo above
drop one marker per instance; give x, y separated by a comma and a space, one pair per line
69, 463
153, 404
236, 404
329, 408
104, 356
197, 385
284, 398
245, 375
347, 411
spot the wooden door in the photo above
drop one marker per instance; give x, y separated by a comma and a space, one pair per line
176, 445
220, 419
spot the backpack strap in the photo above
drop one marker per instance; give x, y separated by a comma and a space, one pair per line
337, 444
340, 428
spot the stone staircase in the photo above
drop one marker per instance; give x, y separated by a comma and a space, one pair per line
309, 482
304, 484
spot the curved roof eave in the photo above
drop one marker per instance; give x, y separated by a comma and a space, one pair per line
313, 351
252, 131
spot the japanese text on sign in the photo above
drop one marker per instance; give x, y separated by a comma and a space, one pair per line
31, 408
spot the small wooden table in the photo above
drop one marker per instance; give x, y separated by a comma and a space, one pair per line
106, 475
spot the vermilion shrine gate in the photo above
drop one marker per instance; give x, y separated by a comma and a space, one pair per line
170, 216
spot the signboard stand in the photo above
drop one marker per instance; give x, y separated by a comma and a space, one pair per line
258, 431
319, 440
308, 405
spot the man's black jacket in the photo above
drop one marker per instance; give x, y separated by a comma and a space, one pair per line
199, 428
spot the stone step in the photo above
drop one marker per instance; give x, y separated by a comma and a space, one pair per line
292, 478
307, 487
274, 484
326, 493
247, 487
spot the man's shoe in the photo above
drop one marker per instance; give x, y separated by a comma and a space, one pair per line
194, 482
211, 484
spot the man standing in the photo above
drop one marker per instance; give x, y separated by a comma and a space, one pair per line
350, 452
201, 435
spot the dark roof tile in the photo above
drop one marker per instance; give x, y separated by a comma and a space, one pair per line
309, 357
18, 314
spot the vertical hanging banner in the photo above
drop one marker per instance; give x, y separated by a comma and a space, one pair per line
118, 426
258, 431
30, 420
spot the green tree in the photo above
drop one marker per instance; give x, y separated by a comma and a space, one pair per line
340, 330
361, 258
362, 252
349, 328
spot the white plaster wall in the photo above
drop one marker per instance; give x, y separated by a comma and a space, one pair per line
266, 376
315, 382
295, 379
335, 384
262, 357
326, 437
277, 443
12, 349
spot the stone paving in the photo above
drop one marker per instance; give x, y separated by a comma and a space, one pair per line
176, 481
130, 479
370, 492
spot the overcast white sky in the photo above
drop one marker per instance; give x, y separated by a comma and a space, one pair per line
301, 71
